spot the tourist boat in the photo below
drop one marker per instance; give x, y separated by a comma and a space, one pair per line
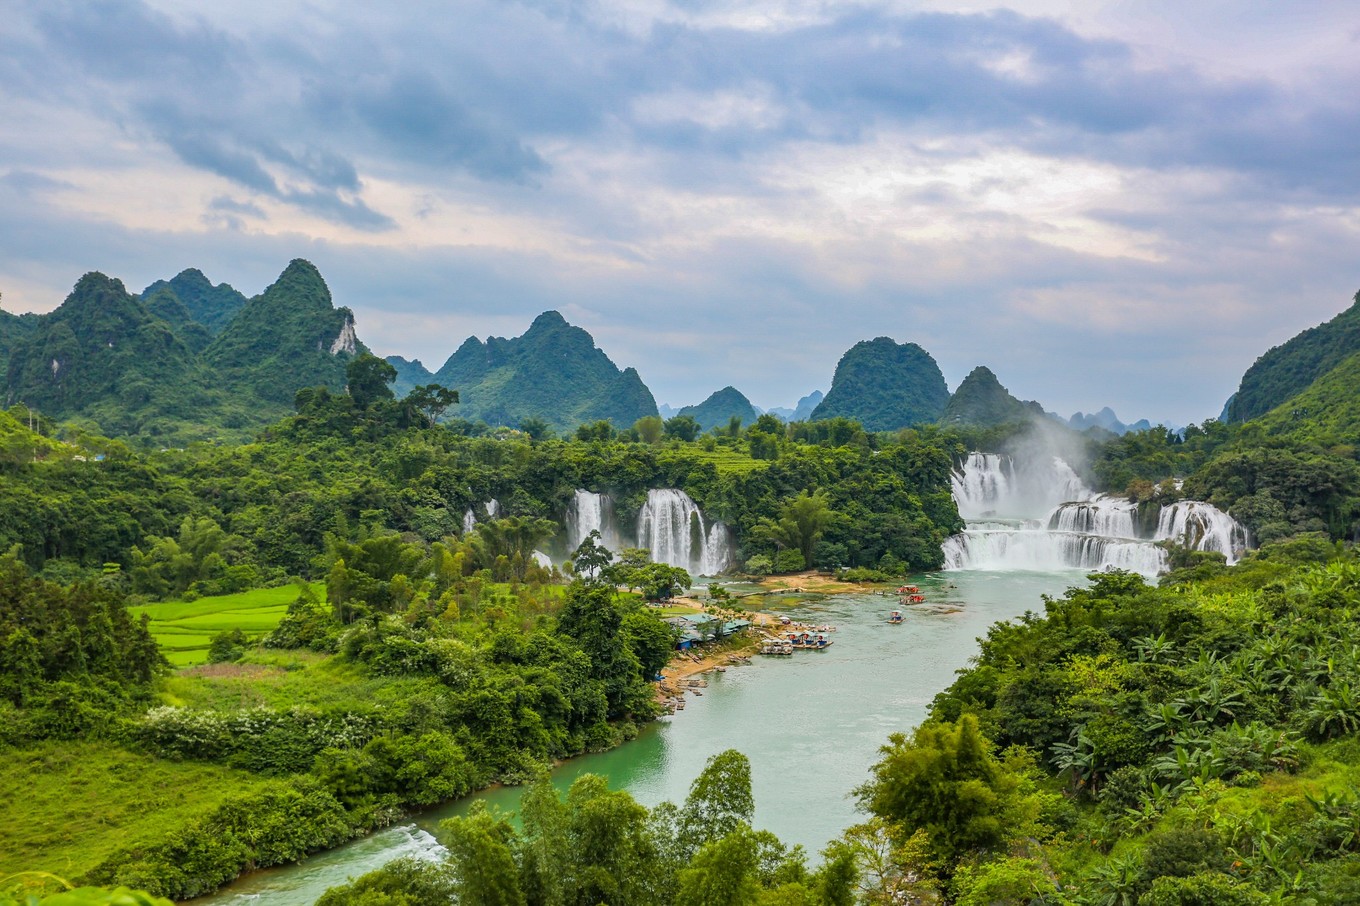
895, 617
777, 647
907, 590
913, 599
820, 643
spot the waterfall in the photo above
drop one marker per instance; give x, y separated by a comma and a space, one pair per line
672, 527
1039, 515
994, 484
590, 512
1203, 527
492, 508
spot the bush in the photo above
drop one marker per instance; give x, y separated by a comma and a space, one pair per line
760, 565
227, 647
789, 560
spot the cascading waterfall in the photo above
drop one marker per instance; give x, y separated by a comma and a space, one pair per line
1203, 527
672, 527
592, 512
492, 508
994, 484
1002, 501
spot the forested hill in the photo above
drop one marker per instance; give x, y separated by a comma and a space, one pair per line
720, 408
885, 386
13, 329
149, 368
213, 307
1289, 368
290, 336
554, 373
982, 402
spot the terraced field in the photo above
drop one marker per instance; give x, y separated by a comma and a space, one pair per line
184, 629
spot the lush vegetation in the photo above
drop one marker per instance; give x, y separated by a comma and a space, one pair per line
720, 408
146, 368
1204, 734
211, 307
1291, 367
981, 401
215, 520
599, 846
553, 375
885, 386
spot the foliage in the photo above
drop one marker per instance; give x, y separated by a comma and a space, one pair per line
946, 782
71, 658
980, 400
885, 386
1288, 369
719, 409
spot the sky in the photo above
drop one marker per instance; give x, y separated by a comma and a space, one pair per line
1107, 203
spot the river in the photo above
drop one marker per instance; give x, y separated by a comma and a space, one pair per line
812, 725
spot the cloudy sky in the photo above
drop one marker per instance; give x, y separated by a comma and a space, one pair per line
1108, 203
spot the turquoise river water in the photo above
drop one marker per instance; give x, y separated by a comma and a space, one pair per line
811, 725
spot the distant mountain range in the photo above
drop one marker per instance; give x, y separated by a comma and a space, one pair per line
720, 408
188, 359
147, 366
981, 401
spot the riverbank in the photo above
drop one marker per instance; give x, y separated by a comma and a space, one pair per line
813, 582
686, 665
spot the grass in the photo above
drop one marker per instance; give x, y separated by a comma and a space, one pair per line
70, 805
184, 629
728, 461
281, 679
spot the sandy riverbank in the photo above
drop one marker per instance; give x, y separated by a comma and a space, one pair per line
813, 582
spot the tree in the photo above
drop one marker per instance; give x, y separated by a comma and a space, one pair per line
591, 559
600, 431
681, 427
719, 801
722, 873
483, 863
536, 428
367, 378
649, 429
800, 524
431, 401
945, 781
590, 619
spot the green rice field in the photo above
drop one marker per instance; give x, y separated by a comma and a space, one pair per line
184, 629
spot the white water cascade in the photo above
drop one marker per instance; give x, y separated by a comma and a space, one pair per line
672, 527
1040, 516
492, 508
592, 512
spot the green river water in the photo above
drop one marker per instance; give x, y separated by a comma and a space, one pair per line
811, 724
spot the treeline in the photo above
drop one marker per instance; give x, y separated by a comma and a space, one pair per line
600, 846
210, 520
